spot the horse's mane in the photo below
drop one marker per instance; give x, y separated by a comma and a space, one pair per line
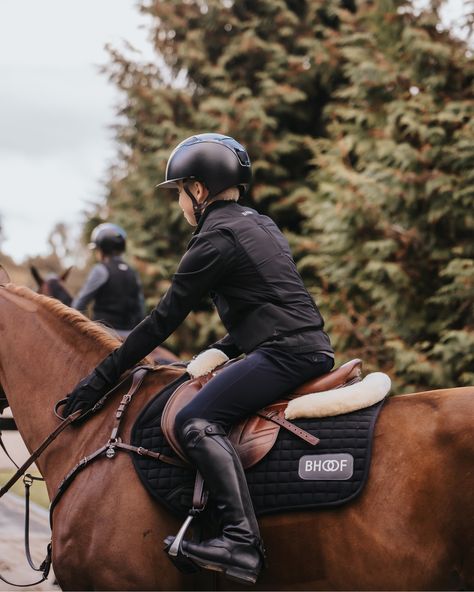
69, 315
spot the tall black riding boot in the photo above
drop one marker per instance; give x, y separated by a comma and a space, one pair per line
238, 552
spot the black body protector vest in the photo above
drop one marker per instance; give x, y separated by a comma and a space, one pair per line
118, 302
260, 296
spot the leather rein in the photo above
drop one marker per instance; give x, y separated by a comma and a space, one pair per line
109, 449
28, 482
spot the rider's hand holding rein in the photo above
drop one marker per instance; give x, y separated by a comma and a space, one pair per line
90, 389
94, 386
141, 341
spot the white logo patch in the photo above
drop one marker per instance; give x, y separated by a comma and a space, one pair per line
326, 467
247, 213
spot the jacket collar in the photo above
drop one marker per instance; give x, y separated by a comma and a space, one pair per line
215, 205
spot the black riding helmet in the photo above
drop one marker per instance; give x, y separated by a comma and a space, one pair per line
109, 238
217, 161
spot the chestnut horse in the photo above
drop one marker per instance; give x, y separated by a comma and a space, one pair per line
53, 286
410, 529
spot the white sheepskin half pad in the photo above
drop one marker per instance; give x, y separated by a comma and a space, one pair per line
206, 361
370, 390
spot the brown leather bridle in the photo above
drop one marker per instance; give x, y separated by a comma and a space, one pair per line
109, 449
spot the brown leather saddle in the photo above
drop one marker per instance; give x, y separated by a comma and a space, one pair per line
254, 436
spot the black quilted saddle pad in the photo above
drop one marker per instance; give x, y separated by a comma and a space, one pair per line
293, 476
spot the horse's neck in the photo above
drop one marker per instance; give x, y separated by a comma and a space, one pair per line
41, 360
43, 372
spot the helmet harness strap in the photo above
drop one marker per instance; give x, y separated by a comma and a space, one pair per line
197, 207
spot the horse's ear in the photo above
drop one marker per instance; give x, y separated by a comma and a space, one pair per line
4, 277
36, 274
66, 273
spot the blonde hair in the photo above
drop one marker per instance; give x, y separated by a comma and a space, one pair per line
229, 194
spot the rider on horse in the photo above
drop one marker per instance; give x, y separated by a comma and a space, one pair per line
112, 284
243, 260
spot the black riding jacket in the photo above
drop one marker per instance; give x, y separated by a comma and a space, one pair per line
243, 260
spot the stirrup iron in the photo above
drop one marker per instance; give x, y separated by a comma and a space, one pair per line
174, 549
178, 539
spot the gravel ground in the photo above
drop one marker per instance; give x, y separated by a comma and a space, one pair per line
13, 563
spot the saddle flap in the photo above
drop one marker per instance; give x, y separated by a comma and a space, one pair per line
184, 394
252, 438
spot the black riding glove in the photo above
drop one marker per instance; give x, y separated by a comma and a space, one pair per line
92, 388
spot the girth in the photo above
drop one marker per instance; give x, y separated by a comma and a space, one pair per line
254, 436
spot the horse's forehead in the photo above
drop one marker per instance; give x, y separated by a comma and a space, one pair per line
19, 301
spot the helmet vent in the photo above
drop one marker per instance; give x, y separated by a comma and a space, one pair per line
243, 157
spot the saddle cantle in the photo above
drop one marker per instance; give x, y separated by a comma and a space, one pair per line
254, 436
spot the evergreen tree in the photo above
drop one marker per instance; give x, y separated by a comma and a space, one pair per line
394, 177
358, 120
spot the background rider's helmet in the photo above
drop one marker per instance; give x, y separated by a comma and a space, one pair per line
109, 238
217, 161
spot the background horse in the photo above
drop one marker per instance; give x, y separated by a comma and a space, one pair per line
410, 529
53, 286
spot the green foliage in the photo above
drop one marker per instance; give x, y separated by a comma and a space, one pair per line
359, 122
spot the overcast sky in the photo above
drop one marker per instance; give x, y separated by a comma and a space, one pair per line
56, 109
